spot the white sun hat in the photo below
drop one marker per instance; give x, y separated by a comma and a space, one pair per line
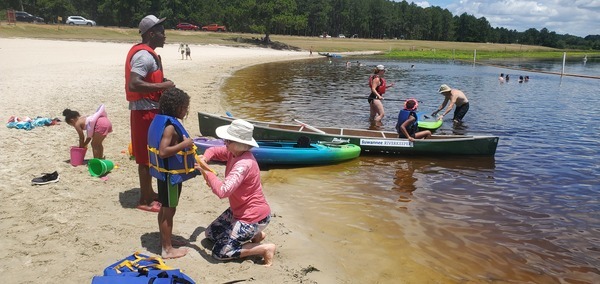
239, 131
444, 88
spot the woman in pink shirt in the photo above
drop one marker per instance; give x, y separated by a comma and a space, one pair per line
238, 231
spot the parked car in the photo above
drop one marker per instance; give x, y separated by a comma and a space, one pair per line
214, 28
26, 17
341, 36
79, 20
186, 27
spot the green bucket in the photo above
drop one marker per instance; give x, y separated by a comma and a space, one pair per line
99, 167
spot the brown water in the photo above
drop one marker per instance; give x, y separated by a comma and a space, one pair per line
527, 215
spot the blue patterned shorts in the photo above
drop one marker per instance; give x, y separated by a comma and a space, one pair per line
229, 234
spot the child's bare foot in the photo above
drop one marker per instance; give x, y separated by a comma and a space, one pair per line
269, 253
174, 253
259, 238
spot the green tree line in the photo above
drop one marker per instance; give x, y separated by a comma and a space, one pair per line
358, 18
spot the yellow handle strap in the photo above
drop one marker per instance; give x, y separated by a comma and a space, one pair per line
204, 166
134, 265
187, 168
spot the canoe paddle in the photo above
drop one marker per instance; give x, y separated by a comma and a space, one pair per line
384, 99
309, 127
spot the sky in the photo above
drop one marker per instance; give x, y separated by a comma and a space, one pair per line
574, 17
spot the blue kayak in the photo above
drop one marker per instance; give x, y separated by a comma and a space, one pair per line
292, 152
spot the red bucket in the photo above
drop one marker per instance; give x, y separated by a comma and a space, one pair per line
77, 155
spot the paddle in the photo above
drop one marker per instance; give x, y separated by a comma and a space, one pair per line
309, 127
363, 98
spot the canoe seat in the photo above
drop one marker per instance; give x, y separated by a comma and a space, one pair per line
302, 142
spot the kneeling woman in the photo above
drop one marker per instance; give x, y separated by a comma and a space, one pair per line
408, 122
238, 232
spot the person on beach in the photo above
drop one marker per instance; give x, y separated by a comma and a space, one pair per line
453, 97
408, 122
96, 127
182, 50
172, 157
238, 231
144, 83
378, 85
188, 52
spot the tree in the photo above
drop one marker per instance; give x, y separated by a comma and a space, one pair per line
269, 15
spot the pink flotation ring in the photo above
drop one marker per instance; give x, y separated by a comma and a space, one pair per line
90, 121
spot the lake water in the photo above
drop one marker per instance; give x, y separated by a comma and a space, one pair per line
529, 214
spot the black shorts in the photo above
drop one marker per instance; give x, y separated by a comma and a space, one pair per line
168, 194
371, 98
460, 112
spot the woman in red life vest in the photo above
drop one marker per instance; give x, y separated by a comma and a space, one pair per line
378, 85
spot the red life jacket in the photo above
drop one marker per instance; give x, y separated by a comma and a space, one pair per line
381, 88
154, 77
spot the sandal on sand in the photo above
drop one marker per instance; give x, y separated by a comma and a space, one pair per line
153, 207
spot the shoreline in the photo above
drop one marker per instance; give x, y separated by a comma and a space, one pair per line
74, 228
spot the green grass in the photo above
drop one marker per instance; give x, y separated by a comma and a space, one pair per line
485, 54
391, 48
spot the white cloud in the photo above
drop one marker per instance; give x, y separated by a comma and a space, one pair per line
579, 17
423, 4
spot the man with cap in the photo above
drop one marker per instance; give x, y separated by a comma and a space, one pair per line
455, 97
144, 84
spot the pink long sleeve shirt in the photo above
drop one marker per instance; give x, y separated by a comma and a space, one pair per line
241, 185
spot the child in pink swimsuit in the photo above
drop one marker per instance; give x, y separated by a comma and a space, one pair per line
96, 126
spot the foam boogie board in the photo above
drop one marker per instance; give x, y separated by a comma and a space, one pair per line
142, 269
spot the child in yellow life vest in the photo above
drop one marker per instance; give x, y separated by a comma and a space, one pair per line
172, 159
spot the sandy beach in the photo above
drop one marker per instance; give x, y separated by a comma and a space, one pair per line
69, 231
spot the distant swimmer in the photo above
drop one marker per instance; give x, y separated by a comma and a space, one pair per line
501, 78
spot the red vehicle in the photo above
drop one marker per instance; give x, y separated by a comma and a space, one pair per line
214, 28
186, 27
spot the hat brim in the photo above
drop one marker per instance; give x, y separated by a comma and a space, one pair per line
221, 132
160, 21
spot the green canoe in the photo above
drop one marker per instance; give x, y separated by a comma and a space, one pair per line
370, 141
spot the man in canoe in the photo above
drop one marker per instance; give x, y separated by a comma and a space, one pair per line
455, 97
